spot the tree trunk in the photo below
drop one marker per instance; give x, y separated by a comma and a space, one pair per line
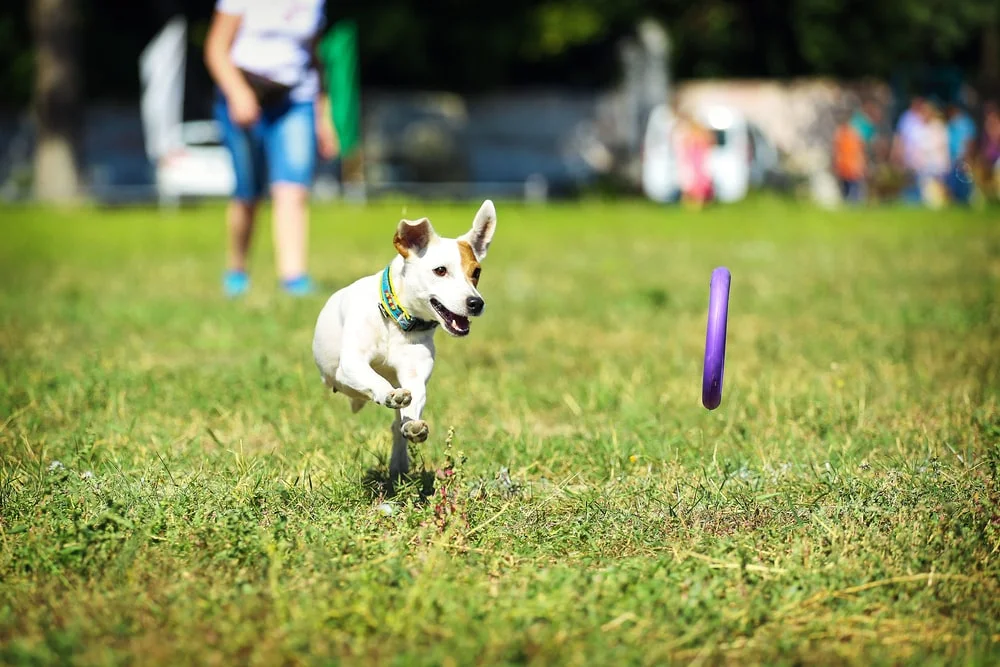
989, 58
57, 104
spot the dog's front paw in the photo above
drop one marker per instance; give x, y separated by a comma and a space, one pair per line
415, 430
398, 398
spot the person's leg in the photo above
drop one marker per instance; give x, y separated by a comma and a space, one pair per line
912, 193
291, 151
247, 157
855, 192
995, 176
291, 232
956, 185
240, 217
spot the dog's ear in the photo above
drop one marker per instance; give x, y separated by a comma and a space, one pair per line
413, 236
481, 234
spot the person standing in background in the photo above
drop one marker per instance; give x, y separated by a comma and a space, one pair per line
849, 161
934, 162
961, 151
696, 148
989, 154
275, 118
865, 121
908, 147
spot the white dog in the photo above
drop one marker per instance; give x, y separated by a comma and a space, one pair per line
374, 339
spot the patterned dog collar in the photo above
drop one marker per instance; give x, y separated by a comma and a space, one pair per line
390, 307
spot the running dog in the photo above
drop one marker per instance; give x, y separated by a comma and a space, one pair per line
374, 339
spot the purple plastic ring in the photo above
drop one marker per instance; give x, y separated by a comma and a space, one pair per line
715, 339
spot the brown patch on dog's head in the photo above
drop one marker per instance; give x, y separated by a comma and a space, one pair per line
470, 265
413, 236
401, 248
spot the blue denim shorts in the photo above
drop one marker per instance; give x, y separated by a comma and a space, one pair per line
279, 148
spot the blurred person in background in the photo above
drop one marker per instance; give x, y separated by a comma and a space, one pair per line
865, 121
880, 178
695, 146
849, 160
275, 118
934, 163
961, 152
908, 145
989, 154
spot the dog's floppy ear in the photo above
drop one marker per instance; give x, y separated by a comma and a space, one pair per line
481, 234
413, 236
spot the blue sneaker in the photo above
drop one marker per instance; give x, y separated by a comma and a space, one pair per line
301, 286
235, 283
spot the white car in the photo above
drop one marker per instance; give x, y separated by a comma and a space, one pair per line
189, 158
729, 160
741, 157
196, 165
660, 178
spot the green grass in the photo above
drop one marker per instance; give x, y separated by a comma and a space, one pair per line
841, 506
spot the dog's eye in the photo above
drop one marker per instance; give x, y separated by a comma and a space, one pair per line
475, 274
441, 271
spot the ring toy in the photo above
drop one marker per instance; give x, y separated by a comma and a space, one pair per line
715, 338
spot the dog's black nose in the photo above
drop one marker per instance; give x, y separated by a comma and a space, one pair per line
475, 305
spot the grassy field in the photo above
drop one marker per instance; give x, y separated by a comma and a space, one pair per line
176, 487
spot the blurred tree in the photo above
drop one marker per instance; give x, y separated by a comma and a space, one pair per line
990, 54
456, 45
857, 37
15, 52
57, 99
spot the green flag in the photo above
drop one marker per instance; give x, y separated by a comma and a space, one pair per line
339, 52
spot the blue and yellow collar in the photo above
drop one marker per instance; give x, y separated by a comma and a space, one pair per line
390, 307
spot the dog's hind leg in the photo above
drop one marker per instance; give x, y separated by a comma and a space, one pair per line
399, 462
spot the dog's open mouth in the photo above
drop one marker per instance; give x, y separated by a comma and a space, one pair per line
456, 325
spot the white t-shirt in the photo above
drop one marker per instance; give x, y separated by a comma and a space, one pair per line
274, 41
912, 132
935, 148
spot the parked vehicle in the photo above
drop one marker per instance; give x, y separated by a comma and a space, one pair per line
742, 156
196, 165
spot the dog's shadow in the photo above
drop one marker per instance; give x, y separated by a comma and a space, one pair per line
380, 486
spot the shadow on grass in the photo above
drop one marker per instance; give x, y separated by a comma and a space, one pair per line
379, 486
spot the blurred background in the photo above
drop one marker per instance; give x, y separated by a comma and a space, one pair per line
109, 101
